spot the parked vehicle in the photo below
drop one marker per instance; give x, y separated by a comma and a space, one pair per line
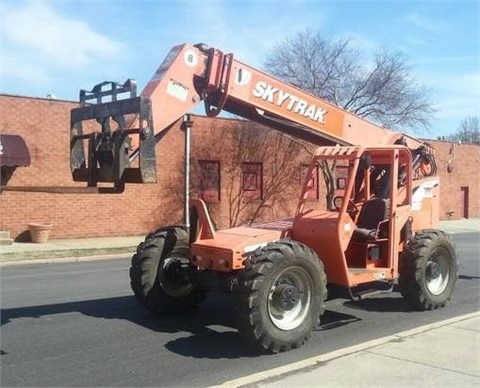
382, 226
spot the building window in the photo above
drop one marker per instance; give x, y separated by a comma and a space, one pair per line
341, 183
312, 184
208, 180
252, 180
341, 177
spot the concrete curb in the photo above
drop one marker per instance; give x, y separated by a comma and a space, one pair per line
316, 361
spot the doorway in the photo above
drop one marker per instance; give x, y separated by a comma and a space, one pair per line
464, 202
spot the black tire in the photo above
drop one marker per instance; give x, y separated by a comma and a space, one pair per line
280, 296
159, 275
428, 270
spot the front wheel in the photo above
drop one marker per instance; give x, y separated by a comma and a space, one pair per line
280, 296
428, 270
161, 275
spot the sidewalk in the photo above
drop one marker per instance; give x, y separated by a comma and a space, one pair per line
443, 354
92, 248
463, 225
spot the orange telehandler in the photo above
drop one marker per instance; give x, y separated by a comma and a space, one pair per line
381, 228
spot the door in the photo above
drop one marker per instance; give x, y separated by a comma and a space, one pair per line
464, 202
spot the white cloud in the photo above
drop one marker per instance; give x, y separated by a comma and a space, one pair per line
424, 23
40, 47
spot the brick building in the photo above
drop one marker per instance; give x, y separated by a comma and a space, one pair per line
458, 169
242, 173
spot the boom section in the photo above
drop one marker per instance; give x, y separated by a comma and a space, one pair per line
124, 150
190, 74
274, 100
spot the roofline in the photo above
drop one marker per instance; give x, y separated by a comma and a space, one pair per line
37, 98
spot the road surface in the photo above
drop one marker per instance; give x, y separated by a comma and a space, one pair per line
77, 324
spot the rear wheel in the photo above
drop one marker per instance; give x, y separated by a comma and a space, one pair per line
280, 296
428, 270
160, 275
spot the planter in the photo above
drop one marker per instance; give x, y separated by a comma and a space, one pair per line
39, 232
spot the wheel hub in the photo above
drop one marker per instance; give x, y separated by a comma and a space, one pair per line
286, 297
290, 298
433, 270
174, 277
173, 272
437, 274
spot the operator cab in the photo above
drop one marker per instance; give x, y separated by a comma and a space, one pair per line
379, 192
368, 209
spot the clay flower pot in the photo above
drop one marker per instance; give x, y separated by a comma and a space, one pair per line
39, 232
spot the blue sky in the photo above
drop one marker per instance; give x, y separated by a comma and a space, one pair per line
58, 47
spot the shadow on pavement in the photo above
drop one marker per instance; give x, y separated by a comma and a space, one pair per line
467, 277
211, 326
381, 304
333, 319
211, 344
210, 330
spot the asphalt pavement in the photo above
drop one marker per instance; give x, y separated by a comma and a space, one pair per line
445, 353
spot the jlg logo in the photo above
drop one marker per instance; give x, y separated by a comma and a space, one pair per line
293, 103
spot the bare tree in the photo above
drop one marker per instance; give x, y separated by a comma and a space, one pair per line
246, 142
380, 88
468, 131
275, 153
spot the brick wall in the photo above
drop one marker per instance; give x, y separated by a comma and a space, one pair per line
458, 167
44, 125
235, 143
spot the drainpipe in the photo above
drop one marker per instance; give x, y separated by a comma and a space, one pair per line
186, 126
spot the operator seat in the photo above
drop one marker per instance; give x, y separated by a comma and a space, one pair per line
369, 226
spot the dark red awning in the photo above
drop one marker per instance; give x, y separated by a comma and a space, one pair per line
13, 151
